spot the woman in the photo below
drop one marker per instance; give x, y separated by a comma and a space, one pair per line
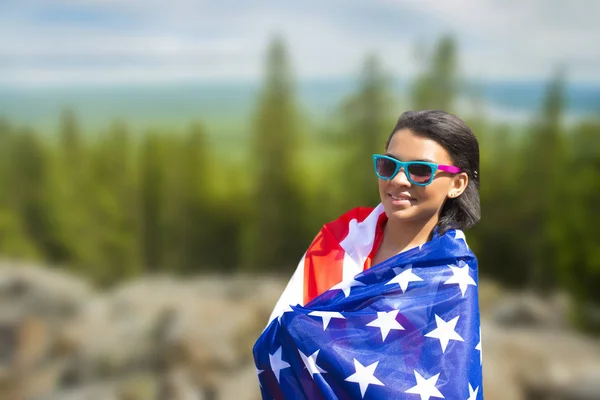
384, 303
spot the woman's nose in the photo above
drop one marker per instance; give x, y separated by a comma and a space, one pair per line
400, 179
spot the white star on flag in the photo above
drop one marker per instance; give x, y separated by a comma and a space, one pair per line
386, 321
478, 347
326, 315
459, 234
311, 363
364, 376
461, 277
287, 308
404, 278
345, 286
445, 332
258, 372
277, 364
473, 393
426, 387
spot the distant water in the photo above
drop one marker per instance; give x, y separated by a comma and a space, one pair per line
232, 103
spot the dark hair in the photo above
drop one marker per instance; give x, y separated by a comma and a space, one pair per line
461, 144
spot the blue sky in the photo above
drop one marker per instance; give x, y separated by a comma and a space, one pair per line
66, 42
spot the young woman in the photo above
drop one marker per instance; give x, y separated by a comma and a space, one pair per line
384, 303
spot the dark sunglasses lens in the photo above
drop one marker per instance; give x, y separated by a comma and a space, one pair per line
420, 173
385, 167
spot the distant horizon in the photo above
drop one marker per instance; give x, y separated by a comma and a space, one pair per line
144, 105
241, 80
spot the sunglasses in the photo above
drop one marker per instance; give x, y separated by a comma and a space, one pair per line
418, 173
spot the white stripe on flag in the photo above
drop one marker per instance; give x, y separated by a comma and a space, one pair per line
358, 243
293, 293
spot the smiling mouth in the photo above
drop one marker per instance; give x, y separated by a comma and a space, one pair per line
399, 198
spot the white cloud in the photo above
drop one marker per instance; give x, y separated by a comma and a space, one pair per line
116, 75
110, 45
198, 39
520, 39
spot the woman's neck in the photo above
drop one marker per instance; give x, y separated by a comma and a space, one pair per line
404, 235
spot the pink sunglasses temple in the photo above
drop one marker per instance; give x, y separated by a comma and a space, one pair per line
449, 168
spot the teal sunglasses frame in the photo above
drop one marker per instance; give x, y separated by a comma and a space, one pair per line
399, 164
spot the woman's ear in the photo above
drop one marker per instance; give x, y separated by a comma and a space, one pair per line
459, 184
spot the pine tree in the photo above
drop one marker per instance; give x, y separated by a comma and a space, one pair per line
29, 181
69, 179
367, 121
71, 141
578, 227
189, 217
152, 198
437, 86
114, 207
276, 234
544, 159
14, 239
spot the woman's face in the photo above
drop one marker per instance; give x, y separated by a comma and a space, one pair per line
407, 202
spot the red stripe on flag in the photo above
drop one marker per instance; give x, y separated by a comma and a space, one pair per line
339, 228
324, 260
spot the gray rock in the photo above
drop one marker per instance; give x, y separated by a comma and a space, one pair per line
240, 385
534, 363
49, 293
526, 309
160, 338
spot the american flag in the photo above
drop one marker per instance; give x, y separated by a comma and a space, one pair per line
407, 328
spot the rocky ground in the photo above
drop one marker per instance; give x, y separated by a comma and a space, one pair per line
190, 339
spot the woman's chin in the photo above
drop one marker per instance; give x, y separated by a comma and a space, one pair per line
401, 212
399, 205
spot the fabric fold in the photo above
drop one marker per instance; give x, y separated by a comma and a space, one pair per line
407, 328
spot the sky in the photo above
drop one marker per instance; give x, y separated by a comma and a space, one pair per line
82, 42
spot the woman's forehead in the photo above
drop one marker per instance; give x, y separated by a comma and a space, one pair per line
406, 146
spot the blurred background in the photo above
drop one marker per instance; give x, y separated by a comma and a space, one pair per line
164, 165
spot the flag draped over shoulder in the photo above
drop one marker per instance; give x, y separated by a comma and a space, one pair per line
407, 328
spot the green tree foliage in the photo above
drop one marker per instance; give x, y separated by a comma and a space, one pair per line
367, 121
14, 239
189, 200
114, 204
493, 239
69, 169
577, 225
521, 194
437, 86
277, 229
113, 207
545, 152
153, 168
28, 180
